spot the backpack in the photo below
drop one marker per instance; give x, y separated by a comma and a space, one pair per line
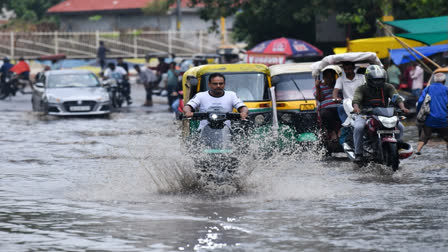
424, 109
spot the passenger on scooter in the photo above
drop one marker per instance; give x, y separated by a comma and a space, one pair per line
22, 69
374, 93
215, 96
347, 83
120, 75
327, 106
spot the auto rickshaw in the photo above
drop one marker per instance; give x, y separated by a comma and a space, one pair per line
251, 83
295, 101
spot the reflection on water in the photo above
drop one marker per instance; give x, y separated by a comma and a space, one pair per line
119, 184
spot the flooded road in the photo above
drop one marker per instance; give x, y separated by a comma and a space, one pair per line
96, 184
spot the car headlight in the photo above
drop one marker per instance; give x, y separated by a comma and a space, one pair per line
259, 119
52, 99
286, 118
104, 97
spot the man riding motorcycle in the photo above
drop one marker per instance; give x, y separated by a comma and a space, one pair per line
216, 96
374, 93
120, 75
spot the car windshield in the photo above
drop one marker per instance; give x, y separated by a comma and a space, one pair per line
446, 79
247, 86
294, 86
78, 80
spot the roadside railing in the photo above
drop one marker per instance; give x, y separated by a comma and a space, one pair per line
135, 44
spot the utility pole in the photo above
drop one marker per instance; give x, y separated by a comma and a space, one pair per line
178, 15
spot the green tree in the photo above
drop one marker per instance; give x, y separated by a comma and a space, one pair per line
29, 10
258, 20
404, 9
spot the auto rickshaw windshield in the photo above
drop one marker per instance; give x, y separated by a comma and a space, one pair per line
247, 86
294, 86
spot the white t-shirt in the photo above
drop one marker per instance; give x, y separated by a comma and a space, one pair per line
116, 74
348, 86
417, 78
204, 101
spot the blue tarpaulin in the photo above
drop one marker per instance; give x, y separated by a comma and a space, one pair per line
401, 56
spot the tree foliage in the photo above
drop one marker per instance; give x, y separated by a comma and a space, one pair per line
258, 20
157, 7
29, 10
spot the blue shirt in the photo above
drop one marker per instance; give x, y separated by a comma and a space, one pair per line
437, 117
5, 67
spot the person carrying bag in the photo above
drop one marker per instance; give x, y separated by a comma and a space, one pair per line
432, 111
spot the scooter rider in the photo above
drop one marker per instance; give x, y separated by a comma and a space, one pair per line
119, 74
374, 93
215, 96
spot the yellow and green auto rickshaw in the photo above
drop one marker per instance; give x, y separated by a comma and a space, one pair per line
251, 83
295, 101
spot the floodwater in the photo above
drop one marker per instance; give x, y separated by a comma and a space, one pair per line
118, 184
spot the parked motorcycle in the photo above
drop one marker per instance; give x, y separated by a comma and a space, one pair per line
213, 147
12, 84
115, 90
380, 143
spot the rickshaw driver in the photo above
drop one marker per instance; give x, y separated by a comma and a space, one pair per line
215, 96
348, 84
374, 93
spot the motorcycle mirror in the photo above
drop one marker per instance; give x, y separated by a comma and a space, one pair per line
39, 85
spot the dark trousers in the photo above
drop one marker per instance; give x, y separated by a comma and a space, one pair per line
426, 132
171, 98
148, 87
330, 119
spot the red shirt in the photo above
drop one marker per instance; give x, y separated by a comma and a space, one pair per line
20, 67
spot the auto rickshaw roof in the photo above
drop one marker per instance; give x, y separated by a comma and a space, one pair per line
232, 68
290, 68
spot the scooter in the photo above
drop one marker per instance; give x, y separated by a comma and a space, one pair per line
12, 83
380, 144
213, 146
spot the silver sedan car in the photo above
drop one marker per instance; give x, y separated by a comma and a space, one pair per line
70, 92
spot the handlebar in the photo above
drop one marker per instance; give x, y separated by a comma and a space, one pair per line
205, 115
369, 111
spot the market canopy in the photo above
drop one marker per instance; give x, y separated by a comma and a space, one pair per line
401, 56
426, 30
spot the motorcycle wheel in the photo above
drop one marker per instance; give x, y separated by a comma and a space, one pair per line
391, 155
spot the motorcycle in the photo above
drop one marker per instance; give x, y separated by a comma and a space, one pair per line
12, 84
380, 144
115, 90
213, 147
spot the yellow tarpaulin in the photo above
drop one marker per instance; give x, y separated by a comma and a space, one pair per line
378, 45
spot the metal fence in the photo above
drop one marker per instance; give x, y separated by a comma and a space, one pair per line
136, 44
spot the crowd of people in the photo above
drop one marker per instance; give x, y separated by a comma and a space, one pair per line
341, 95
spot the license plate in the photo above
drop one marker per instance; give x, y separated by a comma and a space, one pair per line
79, 108
388, 132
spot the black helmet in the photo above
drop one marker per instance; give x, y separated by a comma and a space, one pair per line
375, 76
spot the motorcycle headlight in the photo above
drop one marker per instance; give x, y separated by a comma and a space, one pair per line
388, 122
286, 118
52, 99
259, 119
214, 117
